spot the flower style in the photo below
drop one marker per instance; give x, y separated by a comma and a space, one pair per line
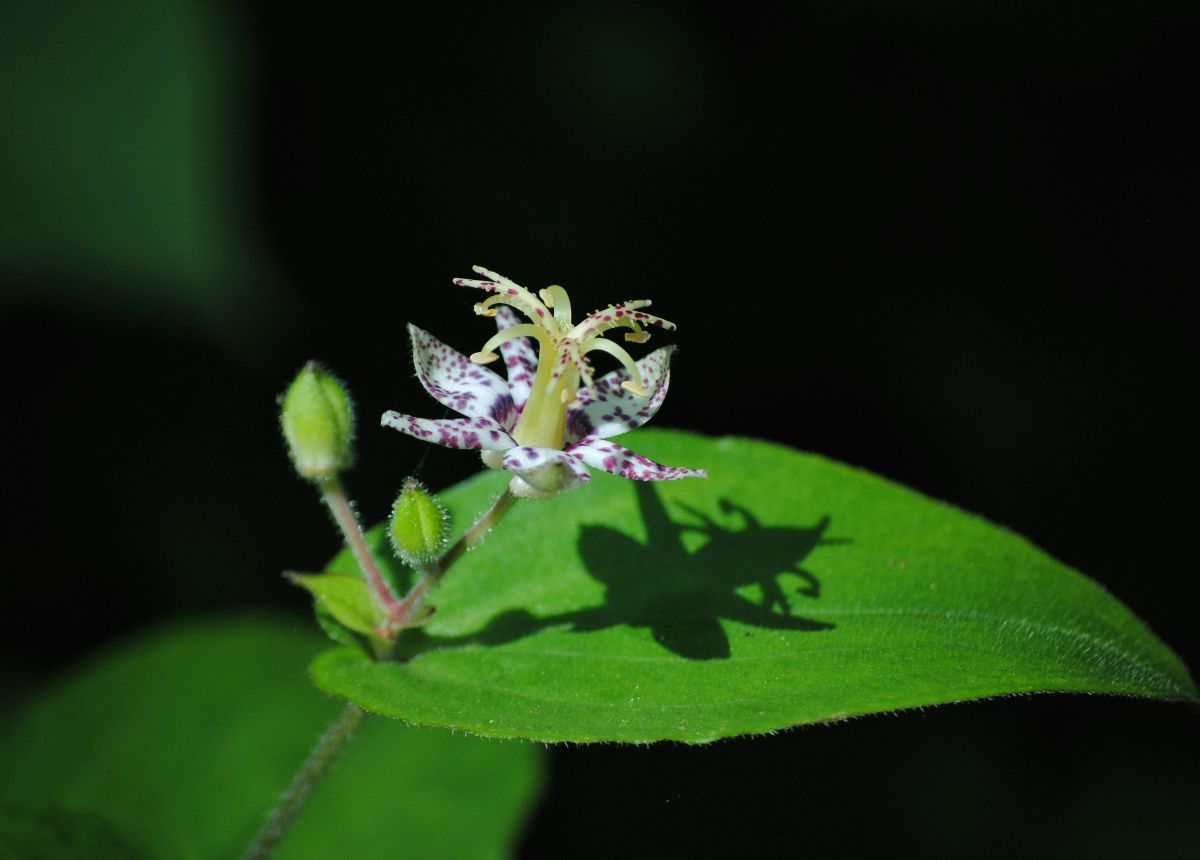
552, 418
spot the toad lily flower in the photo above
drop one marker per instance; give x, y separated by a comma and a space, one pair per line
541, 425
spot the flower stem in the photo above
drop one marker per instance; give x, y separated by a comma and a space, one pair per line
335, 497
429, 577
314, 768
399, 611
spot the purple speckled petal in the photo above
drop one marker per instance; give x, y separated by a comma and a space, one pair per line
458, 383
520, 359
611, 409
619, 460
473, 434
547, 470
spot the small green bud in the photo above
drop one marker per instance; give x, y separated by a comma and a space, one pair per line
419, 526
318, 422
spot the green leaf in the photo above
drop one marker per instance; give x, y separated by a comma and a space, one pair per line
49, 833
346, 597
184, 739
118, 140
785, 589
338, 632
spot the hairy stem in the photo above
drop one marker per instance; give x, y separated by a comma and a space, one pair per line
335, 497
413, 601
399, 612
314, 768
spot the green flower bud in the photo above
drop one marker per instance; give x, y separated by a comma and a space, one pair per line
318, 423
420, 525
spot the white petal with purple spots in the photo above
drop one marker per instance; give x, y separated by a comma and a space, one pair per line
457, 382
547, 470
613, 410
619, 460
473, 434
520, 359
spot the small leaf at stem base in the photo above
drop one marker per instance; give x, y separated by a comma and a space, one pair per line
347, 598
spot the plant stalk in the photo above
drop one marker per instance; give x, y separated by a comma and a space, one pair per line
335, 497
399, 611
314, 768
415, 598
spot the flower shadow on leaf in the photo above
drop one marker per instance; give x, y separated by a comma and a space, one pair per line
685, 579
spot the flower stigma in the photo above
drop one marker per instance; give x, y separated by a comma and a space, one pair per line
563, 350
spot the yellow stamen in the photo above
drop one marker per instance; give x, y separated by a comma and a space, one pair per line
524, 301
523, 330
562, 363
634, 383
561, 303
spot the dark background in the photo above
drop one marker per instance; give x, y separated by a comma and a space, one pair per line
951, 235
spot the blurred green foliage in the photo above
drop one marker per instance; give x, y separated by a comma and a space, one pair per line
947, 236
50, 833
184, 739
122, 161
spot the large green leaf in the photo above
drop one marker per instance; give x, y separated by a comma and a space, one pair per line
785, 589
121, 167
183, 740
49, 833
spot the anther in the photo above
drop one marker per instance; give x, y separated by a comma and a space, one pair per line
484, 357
